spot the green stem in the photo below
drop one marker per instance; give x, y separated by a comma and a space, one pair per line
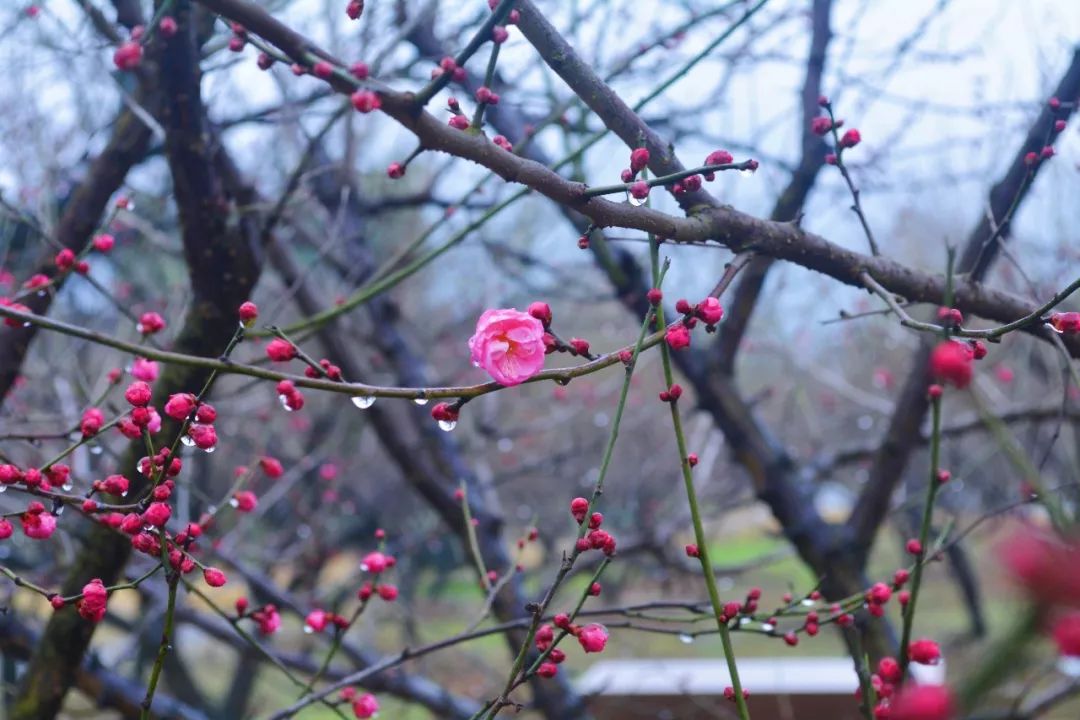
493, 709
246, 636
573, 616
482, 35
1000, 659
82, 441
335, 645
166, 639
857, 206
1020, 460
924, 530
474, 545
667, 179
598, 489
489, 78
695, 512
384, 281
862, 670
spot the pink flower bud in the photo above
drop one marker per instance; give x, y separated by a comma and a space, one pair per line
214, 577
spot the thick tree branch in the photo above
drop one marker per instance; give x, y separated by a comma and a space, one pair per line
709, 221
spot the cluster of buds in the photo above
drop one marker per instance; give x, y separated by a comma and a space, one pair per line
595, 538
729, 693
709, 311
576, 346
267, 618
129, 54
592, 638
639, 160
950, 317
530, 536
689, 184
280, 350
326, 369
1032, 158
244, 501
365, 101
458, 120
91, 606
377, 563
56, 475
153, 467
723, 157
239, 37
143, 415
502, 142
150, 323
201, 432
876, 597
485, 96
291, 398
66, 261
448, 66
318, 620
733, 609
17, 306
889, 676
672, 394
952, 362
824, 125
37, 281
37, 523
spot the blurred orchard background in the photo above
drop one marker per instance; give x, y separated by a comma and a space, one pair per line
810, 384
